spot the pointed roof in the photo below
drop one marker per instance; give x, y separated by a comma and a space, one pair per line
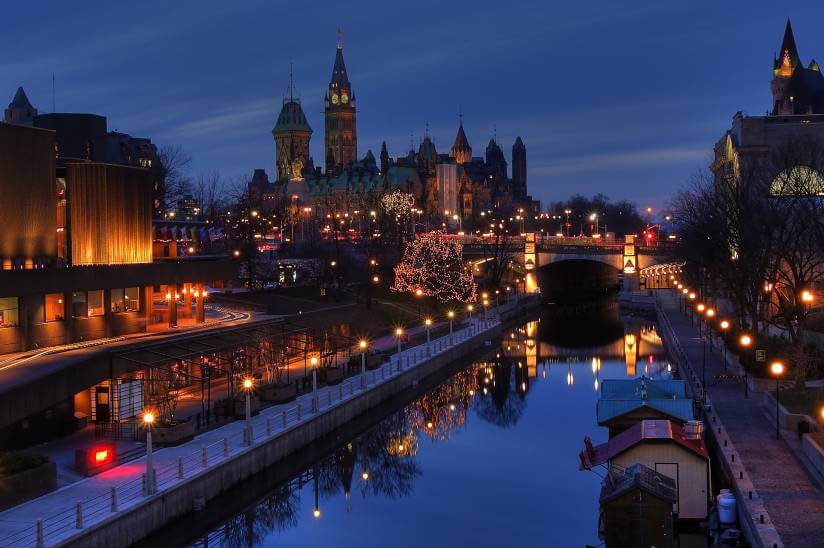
788, 49
339, 76
291, 118
814, 66
426, 150
20, 100
493, 146
460, 139
519, 144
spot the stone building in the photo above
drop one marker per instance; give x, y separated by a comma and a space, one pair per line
292, 134
797, 116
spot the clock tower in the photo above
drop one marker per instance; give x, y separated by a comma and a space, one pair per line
341, 143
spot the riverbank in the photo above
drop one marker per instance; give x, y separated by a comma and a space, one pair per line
112, 510
780, 501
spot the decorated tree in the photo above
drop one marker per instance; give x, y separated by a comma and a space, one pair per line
432, 264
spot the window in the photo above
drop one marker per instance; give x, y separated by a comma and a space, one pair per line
117, 300
132, 299
95, 302
54, 307
79, 307
125, 300
9, 316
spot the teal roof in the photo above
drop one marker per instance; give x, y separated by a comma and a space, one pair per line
679, 408
361, 181
612, 389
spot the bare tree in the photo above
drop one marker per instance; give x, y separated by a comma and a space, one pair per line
175, 164
207, 194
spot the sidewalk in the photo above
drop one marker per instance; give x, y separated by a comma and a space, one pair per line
791, 495
101, 497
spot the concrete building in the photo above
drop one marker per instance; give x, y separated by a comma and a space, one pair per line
76, 249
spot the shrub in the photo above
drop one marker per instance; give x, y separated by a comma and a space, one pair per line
14, 463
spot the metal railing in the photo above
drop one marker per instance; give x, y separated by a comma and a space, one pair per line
270, 423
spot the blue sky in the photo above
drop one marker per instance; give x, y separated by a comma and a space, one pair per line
624, 98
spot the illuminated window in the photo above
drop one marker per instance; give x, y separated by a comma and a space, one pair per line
9, 316
125, 300
95, 302
145, 162
132, 299
54, 307
117, 301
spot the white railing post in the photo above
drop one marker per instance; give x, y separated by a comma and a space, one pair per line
78, 515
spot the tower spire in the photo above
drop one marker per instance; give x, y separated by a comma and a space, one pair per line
340, 38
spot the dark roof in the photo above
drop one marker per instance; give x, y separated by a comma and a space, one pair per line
638, 477
426, 150
519, 144
20, 100
291, 118
339, 75
646, 431
460, 139
788, 45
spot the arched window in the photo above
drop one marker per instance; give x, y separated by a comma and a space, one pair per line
798, 181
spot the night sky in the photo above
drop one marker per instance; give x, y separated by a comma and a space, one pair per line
623, 98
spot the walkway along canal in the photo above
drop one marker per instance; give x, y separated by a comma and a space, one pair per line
114, 509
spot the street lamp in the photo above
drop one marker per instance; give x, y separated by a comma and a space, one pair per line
470, 308
724, 326
148, 420
399, 335
451, 316
428, 323
247, 387
363, 345
777, 369
486, 307
745, 341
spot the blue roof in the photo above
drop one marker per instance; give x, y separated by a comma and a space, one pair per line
627, 389
608, 409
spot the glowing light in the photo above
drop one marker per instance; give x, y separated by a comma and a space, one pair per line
362, 344
101, 455
807, 296
777, 368
725, 324
148, 418
745, 340
365, 476
316, 513
398, 332
247, 384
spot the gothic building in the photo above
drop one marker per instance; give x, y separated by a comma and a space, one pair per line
292, 134
341, 140
797, 113
456, 185
796, 89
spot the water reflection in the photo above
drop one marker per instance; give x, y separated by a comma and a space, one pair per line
373, 477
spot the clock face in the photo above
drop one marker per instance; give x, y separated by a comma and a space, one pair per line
344, 98
334, 98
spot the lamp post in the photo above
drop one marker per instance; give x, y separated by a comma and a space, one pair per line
363, 345
710, 314
451, 316
428, 323
148, 420
700, 308
777, 369
399, 335
745, 341
470, 308
724, 326
486, 307
247, 387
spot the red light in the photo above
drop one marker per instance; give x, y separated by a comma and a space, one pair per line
648, 235
101, 456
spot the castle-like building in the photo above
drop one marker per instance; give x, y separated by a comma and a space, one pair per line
453, 184
797, 114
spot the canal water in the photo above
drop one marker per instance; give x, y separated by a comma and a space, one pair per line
487, 457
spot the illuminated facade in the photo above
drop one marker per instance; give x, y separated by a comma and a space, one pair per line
341, 140
76, 249
292, 135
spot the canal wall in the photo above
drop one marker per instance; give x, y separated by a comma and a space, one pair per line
753, 518
129, 526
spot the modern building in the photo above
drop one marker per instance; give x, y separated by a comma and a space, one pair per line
76, 249
86, 137
667, 448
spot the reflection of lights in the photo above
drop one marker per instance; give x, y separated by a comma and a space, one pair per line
523, 386
485, 391
596, 385
471, 392
365, 476
451, 406
316, 513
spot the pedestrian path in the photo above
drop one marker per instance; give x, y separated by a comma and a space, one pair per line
791, 495
60, 515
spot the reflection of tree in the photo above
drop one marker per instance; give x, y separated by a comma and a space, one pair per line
389, 475
497, 405
276, 512
442, 410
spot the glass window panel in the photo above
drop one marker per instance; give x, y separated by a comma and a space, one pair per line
117, 300
54, 307
9, 313
95, 302
132, 298
79, 307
